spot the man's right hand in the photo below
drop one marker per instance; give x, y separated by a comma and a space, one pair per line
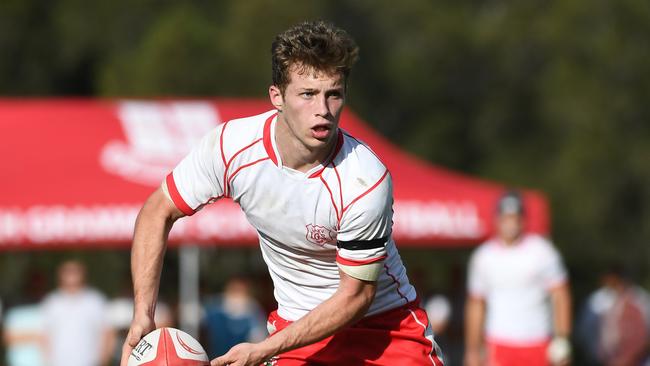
140, 326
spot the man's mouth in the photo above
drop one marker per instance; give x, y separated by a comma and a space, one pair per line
321, 131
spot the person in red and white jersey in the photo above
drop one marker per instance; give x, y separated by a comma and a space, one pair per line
519, 305
321, 202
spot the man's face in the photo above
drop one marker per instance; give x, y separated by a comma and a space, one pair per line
72, 276
311, 105
509, 226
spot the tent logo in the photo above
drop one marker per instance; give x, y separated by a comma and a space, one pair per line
158, 135
320, 235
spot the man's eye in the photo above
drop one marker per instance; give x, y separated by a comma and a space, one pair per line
307, 94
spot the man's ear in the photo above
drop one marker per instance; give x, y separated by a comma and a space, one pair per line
275, 94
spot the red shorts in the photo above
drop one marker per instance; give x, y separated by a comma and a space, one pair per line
401, 336
506, 355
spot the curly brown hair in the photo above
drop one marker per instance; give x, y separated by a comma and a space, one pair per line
312, 45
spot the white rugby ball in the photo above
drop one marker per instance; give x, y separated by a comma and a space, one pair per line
168, 347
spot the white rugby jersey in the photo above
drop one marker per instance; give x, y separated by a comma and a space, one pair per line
514, 281
338, 212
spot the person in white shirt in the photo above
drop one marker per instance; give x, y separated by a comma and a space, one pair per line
75, 324
321, 202
519, 307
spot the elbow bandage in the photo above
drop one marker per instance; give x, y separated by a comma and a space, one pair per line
365, 272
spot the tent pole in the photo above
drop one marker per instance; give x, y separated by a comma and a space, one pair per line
188, 282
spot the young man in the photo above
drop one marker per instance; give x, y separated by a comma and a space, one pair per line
511, 278
321, 202
74, 318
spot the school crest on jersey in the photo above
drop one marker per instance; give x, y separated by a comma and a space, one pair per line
157, 136
320, 235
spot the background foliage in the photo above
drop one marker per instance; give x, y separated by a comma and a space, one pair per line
545, 94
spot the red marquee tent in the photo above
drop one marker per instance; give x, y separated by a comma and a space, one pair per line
75, 172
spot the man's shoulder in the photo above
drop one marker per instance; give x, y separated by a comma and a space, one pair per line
359, 170
358, 160
539, 243
249, 123
486, 248
240, 132
94, 294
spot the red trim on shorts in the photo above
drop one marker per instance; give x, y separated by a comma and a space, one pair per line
490, 340
356, 262
338, 217
245, 166
268, 144
396, 282
529, 355
424, 322
176, 197
366, 192
393, 337
339, 144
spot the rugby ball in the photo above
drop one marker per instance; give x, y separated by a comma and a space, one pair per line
168, 347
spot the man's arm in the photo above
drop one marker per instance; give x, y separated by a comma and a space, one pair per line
561, 302
152, 227
348, 304
560, 347
474, 318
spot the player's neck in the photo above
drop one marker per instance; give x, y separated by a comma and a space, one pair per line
512, 241
296, 155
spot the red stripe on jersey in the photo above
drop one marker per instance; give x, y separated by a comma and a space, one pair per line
223, 157
366, 192
338, 177
244, 166
339, 144
242, 150
268, 144
355, 262
397, 284
364, 144
338, 217
227, 166
223, 131
176, 197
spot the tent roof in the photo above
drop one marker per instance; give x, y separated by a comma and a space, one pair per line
76, 171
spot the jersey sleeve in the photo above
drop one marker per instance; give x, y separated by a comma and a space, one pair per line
477, 285
553, 271
365, 231
198, 178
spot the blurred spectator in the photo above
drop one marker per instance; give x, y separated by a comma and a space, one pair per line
511, 279
23, 324
590, 323
438, 309
76, 327
614, 325
232, 318
23, 336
